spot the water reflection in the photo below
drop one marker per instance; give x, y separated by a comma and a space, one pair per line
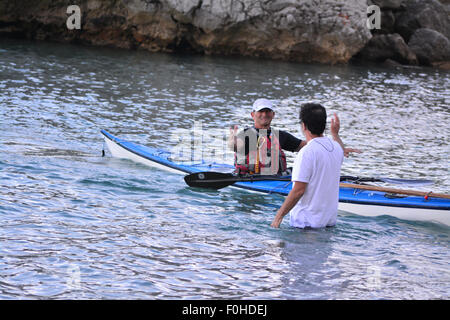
305, 254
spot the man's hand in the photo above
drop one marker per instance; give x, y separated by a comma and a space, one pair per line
277, 220
291, 200
232, 138
347, 151
335, 125
233, 130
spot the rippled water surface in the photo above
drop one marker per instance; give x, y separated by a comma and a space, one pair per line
78, 225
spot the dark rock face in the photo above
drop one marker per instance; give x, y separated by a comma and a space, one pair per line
430, 46
418, 14
391, 46
387, 23
423, 24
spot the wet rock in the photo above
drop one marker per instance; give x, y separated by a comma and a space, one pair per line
430, 46
392, 64
391, 46
444, 65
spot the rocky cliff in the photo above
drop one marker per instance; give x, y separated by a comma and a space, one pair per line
323, 31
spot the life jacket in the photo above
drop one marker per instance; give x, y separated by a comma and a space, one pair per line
260, 161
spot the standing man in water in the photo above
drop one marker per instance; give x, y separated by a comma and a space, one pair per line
313, 200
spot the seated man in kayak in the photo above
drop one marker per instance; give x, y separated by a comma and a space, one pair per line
313, 200
259, 149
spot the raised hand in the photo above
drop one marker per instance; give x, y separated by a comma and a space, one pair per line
232, 141
335, 125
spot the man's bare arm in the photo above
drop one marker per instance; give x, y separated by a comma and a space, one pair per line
335, 127
291, 200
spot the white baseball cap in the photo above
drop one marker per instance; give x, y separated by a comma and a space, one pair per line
262, 103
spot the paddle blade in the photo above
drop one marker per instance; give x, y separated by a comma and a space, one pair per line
210, 180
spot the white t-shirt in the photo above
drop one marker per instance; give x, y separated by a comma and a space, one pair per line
318, 164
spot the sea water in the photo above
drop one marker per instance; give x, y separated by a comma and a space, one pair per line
76, 225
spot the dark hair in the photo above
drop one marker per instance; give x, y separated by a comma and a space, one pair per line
314, 116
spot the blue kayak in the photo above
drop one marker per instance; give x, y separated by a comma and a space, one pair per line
353, 200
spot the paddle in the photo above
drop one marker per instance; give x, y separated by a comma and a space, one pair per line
219, 180
395, 191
